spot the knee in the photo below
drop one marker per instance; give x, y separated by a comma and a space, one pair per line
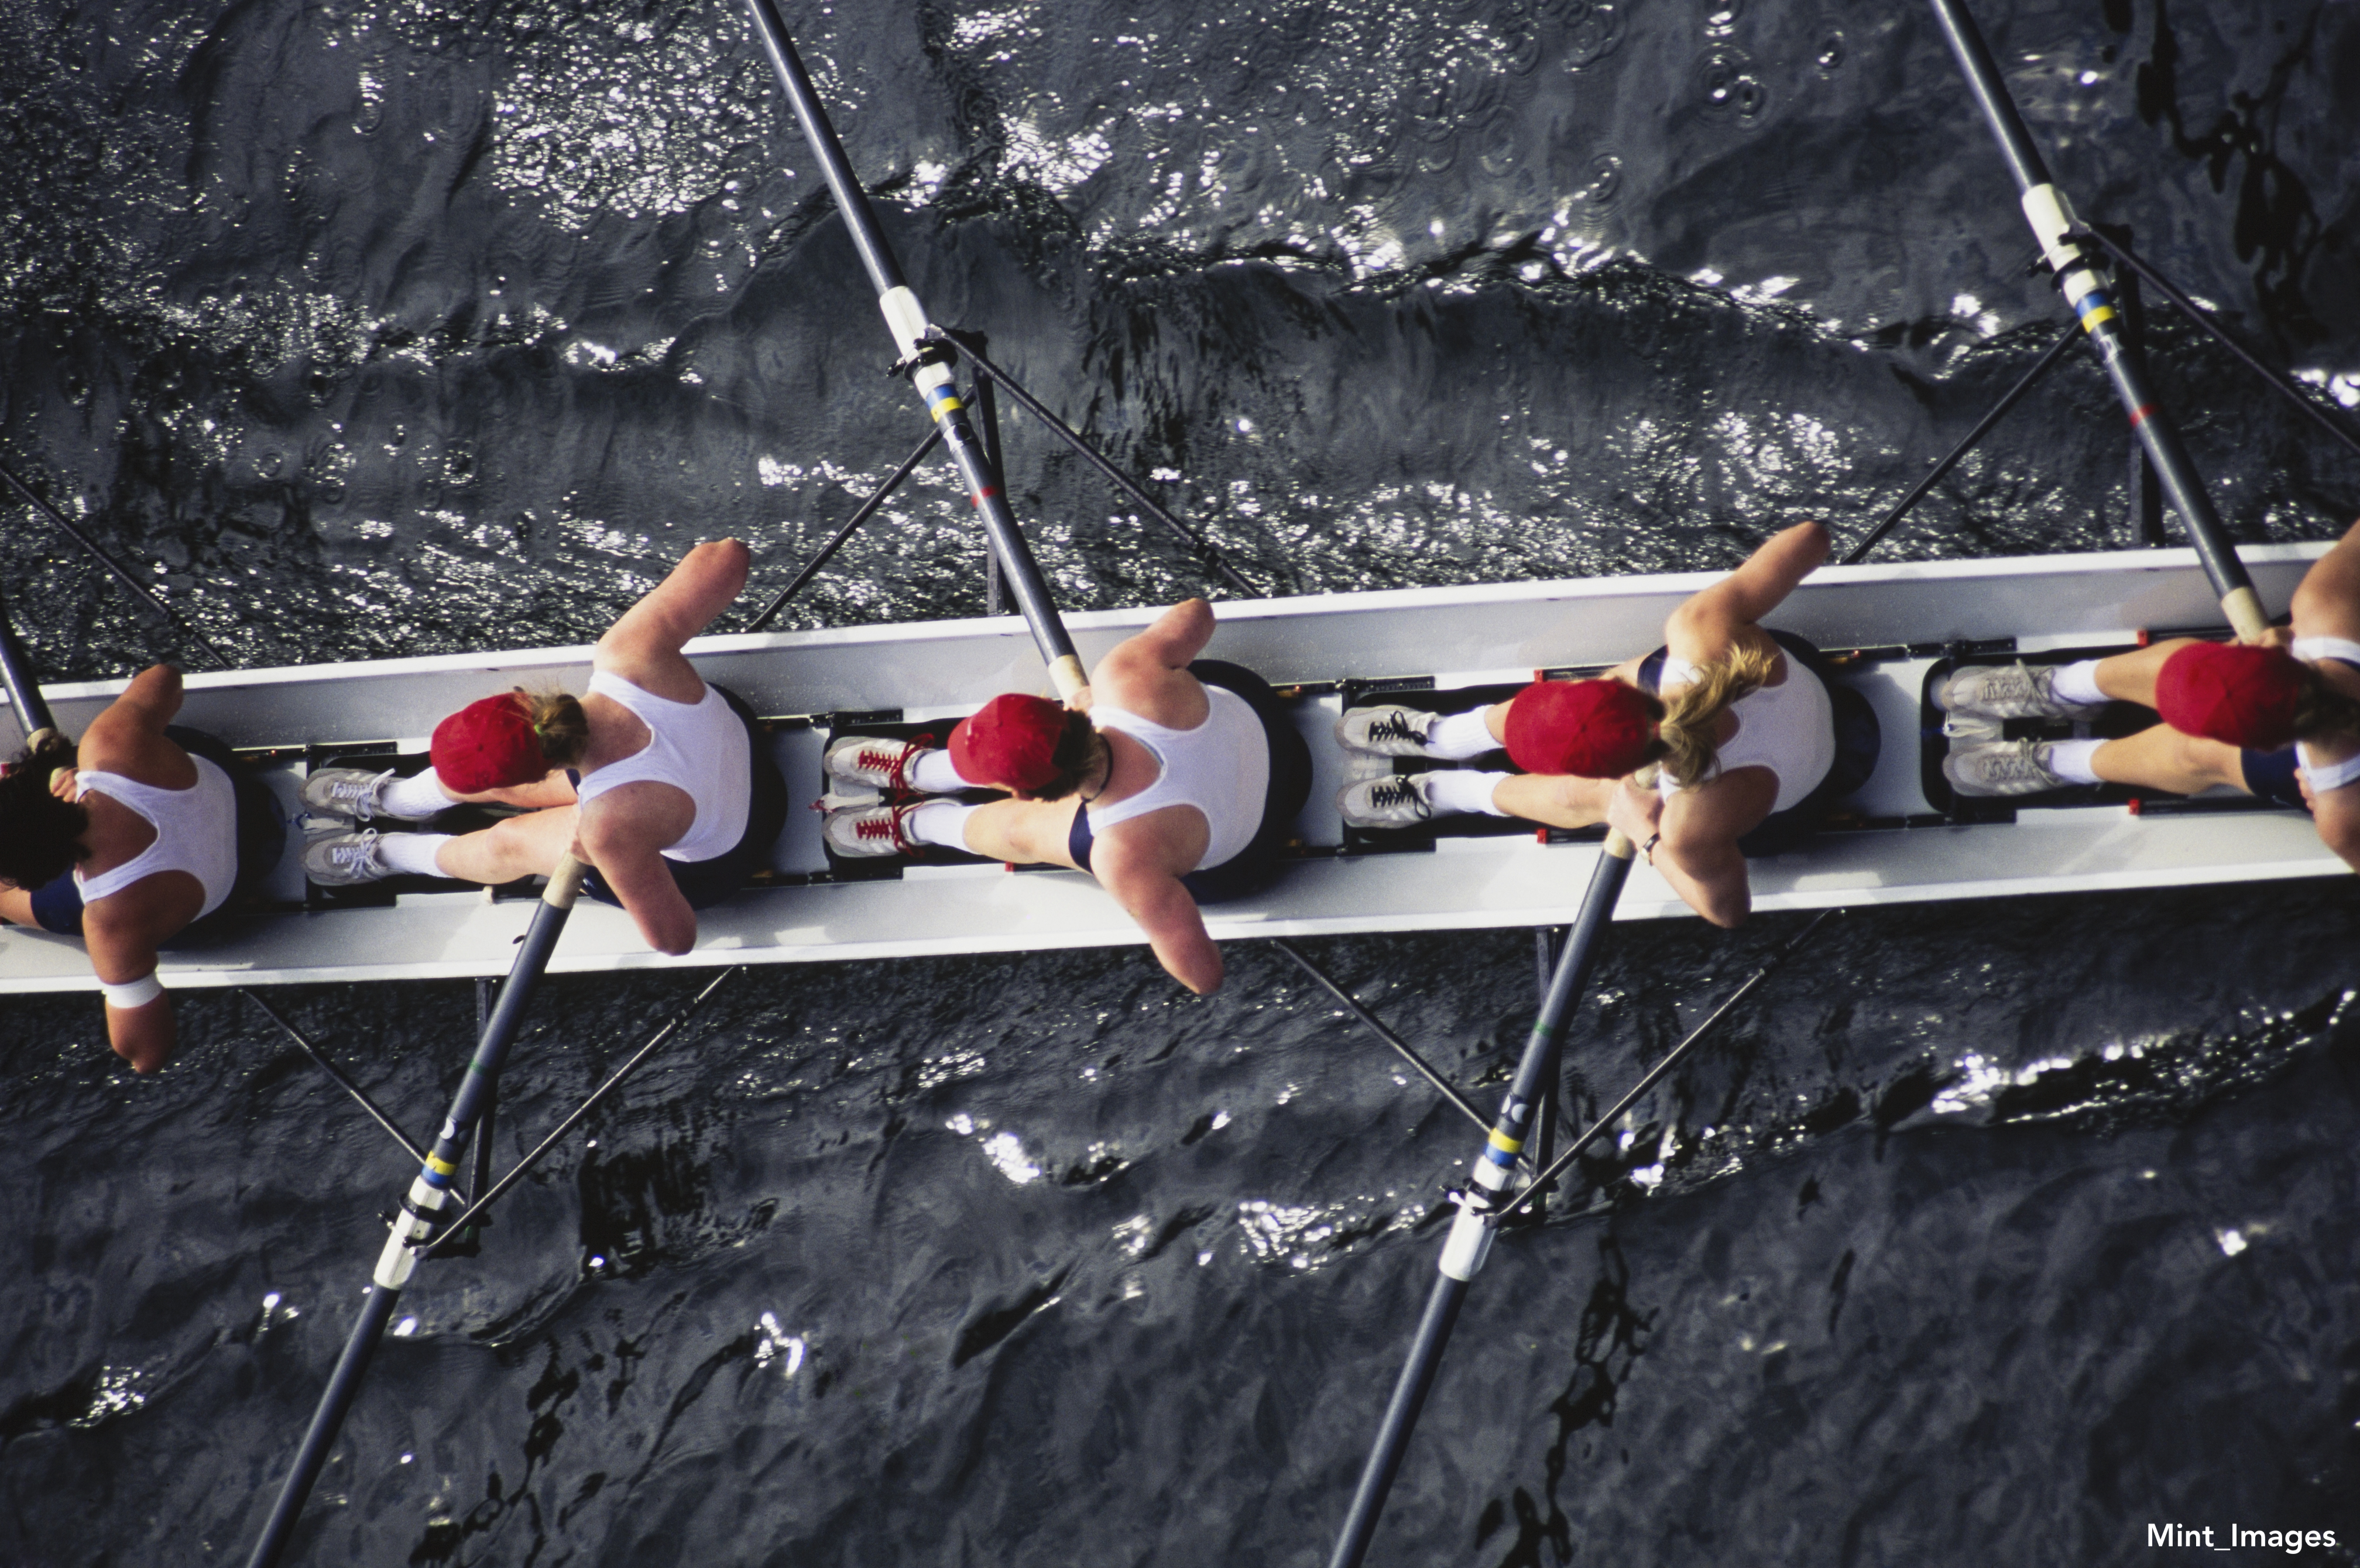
2213, 761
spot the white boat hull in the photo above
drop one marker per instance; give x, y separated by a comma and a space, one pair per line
1465, 636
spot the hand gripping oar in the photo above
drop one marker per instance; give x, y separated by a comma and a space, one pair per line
422, 1207
929, 362
1480, 1208
2057, 229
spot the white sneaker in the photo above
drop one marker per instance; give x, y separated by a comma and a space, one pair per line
2008, 691
353, 792
343, 860
1386, 802
863, 831
2010, 768
877, 763
1388, 729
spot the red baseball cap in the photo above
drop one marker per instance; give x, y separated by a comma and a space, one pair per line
2229, 691
488, 744
1011, 741
1593, 729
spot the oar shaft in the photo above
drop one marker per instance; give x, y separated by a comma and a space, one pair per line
929, 364
33, 715
1442, 1304
422, 1207
58, 519
1480, 1209
377, 1310
866, 509
1950, 460
2052, 221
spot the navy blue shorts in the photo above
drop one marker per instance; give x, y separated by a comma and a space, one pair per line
2269, 775
704, 883
261, 839
1251, 868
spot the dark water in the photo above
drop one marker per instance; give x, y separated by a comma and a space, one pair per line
1987, 1234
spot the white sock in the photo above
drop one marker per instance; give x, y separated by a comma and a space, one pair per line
942, 823
2078, 683
935, 775
411, 854
420, 795
1461, 735
2070, 760
1449, 790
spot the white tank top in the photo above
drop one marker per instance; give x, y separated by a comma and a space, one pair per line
2311, 650
699, 748
2327, 775
1790, 729
196, 831
1221, 768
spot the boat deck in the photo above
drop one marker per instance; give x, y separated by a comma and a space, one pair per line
1891, 844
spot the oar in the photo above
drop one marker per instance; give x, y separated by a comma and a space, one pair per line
2076, 266
421, 1208
929, 361
58, 520
24, 692
1480, 1210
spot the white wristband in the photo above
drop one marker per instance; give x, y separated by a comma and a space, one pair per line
133, 993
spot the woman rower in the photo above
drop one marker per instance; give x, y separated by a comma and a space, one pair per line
1176, 788
1742, 728
135, 840
657, 781
2278, 717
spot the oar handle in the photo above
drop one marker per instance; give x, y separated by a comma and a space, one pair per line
2056, 229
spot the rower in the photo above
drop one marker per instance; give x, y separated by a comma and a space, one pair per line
2276, 717
1738, 716
658, 782
138, 839
1174, 785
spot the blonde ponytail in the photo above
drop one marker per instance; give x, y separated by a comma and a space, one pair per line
1691, 756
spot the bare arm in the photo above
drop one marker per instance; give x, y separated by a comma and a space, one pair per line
622, 835
650, 632
128, 737
1699, 854
2337, 815
120, 953
1752, 591
1148, 674
1173, 639
1174, 927
2327, 602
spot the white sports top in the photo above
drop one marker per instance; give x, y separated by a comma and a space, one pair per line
699, 748
1221, 768
196, 831
2325, 775
2311, 650
1790, 728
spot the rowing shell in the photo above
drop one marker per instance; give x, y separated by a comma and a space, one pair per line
1893, 843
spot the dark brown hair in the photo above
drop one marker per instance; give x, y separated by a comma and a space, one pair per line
40, 835
2323, 712
1079, 748
559, 724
